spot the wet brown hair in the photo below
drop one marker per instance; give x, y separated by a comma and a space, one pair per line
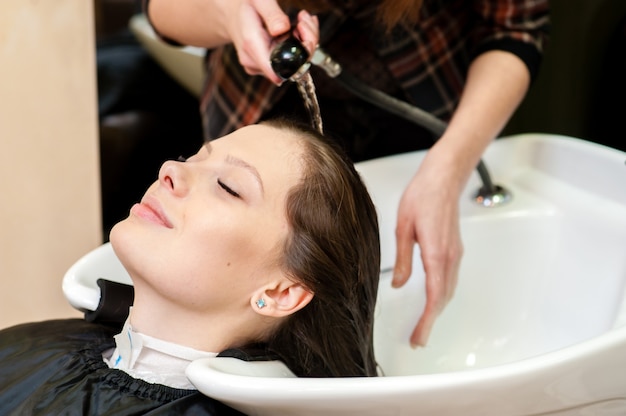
389, 12
333, 249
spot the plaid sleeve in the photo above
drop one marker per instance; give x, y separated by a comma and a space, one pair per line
517, 26
430, 59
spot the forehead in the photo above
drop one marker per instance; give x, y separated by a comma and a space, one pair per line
274, 152
260, 135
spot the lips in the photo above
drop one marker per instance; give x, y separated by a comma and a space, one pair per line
150, 209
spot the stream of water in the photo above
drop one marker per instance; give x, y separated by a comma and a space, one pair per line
306, 87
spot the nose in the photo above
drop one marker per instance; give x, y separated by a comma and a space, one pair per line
174, 177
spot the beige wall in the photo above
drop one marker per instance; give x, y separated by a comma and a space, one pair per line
49, 183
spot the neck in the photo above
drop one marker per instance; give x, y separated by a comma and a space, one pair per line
201, 330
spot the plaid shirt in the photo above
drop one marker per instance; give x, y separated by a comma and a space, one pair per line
428, 61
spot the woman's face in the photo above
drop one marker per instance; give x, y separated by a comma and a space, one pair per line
210, 229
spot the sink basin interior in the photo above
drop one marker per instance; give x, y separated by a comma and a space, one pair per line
543, 272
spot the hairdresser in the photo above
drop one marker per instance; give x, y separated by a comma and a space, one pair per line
468, 62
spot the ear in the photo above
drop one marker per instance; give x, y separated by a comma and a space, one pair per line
281, 298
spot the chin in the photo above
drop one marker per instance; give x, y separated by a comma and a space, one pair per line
121, 241
137, 248
116, 233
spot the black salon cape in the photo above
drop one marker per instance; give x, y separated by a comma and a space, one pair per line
56, 368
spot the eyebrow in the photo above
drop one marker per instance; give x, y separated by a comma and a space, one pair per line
235, 161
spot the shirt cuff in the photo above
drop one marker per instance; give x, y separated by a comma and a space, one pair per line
527, 52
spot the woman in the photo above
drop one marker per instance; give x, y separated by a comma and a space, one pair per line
468, 62
248, 243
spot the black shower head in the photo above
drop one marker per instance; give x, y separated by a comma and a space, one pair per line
289, 58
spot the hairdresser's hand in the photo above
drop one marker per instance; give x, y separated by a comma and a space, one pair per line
254, 26
429, 215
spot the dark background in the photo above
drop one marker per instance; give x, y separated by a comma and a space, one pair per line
145, 117
581, 87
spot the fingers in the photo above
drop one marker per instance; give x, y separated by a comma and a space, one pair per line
308, 30
276, 22
424, 326
436, 299
437, 290
253, 49
441, 280
405, 241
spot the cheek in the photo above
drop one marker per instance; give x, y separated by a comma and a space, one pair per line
212, 272
231, 251
227, 246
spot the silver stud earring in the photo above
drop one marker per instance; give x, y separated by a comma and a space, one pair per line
261, 303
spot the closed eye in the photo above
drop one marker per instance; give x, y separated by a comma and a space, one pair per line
228, 189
